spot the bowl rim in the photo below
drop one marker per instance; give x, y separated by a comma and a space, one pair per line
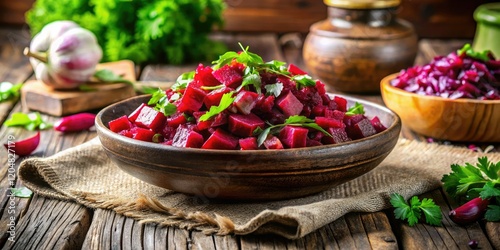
385, 85
102, 128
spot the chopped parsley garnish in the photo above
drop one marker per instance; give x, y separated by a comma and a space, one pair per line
412, 211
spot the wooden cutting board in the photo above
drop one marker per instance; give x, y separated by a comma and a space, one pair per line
37, 96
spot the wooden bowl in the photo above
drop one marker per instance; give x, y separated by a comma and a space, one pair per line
465, 120
247, 174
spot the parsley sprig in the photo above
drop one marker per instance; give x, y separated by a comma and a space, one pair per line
412, 211
480, 55
162, 103
31, 121
294, 120
9, 90
471, 181
255, 64
357, 109
226, 101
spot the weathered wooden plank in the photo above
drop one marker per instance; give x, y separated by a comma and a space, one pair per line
358, 233
200, 241
379, 231
226, 242
448, 236
178, 238
51, 224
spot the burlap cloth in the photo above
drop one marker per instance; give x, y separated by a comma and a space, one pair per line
85, 174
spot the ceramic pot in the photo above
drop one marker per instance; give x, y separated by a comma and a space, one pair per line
487, 35
360, 42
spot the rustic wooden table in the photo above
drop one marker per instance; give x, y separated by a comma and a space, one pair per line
41, 223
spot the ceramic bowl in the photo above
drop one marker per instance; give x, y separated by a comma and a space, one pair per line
246, 174
466, 120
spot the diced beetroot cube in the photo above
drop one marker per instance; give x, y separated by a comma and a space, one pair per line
249, 143
192, 99
325, 122
142, 134
219, 120
204, 76
377, 124
201, 125
126, 133
341, 103
338, 135
321, 88
168, 132
264, 104
221, 139
313, 143
362, 129
293, 137
273, 143
274, 117
335, 114
350, 120
228, 76
150, 118
245, 101
187, 137
289, 104
176, 119
294, 70
214, 96
133, 116
318, 110
239, 67
244, 125
119, 124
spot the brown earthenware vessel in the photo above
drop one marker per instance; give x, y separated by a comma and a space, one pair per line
359, 43
247, 175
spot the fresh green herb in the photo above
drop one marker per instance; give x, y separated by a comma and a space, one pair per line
480, 55
183, 80
255, 64
144, 31
162, 104
226, 101
471, 181
31, 121
294, 120
412, 211
109, 76
212, 87
303, 81
357, 109
274, 89
252, 79
22, 192
9, 90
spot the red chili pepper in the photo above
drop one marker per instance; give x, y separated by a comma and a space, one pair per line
75, 123
24, 147
469, 212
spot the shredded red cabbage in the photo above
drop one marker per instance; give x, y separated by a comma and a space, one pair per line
458, 75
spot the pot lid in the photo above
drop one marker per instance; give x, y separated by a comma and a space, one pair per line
362, 4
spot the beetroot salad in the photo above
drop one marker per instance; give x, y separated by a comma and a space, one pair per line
243, 103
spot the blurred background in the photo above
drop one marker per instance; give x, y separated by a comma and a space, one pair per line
431, 18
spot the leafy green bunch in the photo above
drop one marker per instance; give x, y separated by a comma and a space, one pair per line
144, 31
471, 181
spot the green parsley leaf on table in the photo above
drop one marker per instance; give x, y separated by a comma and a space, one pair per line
412, 211
31, 121
9, 90
22, 192
471, 181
